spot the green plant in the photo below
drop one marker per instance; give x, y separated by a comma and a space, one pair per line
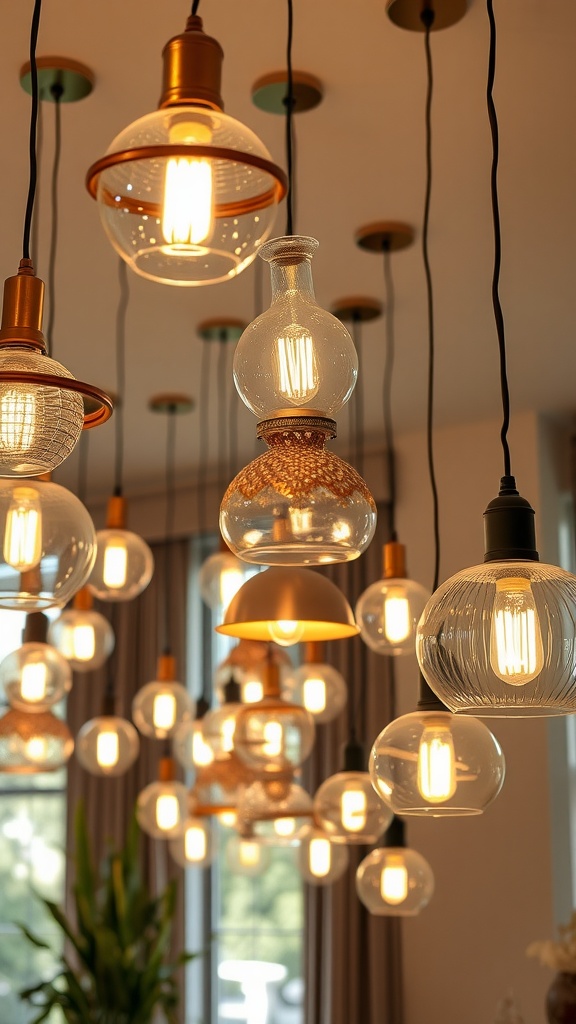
119, 970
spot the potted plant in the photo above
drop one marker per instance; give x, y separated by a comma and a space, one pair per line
119, 969
561, 956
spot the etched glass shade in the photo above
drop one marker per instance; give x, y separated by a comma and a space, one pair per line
123, 567
388, 613
247, 857
273, 735
394, 881
35, 676
321, 861
32, 742
278, 812
107, 745
159, 708
84, 637
349, 811
436, 764
162, 809
500, 639
319, 688
196, 846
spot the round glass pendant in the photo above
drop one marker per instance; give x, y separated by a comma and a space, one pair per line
82, 636
273, 735
248, 660
189, 746
394, 881
107, 745
162, 809
437, 764
388, 613
159, 707
318, 687
245, 856
35, 676
33, 742
123, 568
220, 577
196, 846
349, 811
277, 812
219, 728
321, 861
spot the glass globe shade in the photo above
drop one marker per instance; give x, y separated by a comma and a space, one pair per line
298, 503
349, 811
189, 746
49, 544
32, 742
394, 881
107, 745
273, 735
321, 861
245, 856
388, 613
317, 687
295, 355
159, 708
219, 727
123, 568
162, 809
35, 677
248, 660
220, 576
39, 425
84, 637
437, 764
498, 639
196, 846
277, 812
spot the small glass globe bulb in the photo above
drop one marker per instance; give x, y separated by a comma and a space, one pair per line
220, 577
196, 846
394, 881
246, 856
348, 810
189, 745
33, 742
35, 677
248, 661
107, 745
124, 563
162, 807
321, 861
388, 612
160, 706
219, 724
277, 821
83, 636
273, 735
316, 686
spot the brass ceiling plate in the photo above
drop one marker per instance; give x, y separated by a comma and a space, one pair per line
357, 308
171, 402
221, 329
391, 234
75, 79
269, 92
407, 13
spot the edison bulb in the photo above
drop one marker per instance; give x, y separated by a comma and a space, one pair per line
321, 862
348, 810
219, 728
189, 746
124, 565
516, 654
273, 735
107, 745
188, 206
23, 531
388, 613
286, 632
320, 688
394, 881
436, 763
159, 708
196, 846
84, 637
35, 676
296, 365
221, 576
161, 809
246, 856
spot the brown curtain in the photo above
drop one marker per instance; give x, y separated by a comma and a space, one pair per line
353, 960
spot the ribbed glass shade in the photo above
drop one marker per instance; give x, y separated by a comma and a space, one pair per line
123, 568
219, 727
321, 861
500, 639
273, 735
388, 613
194, 217
162, 809
48, 544
107, 745
32, 742
189, 746
35, 676
349, 811
39, 425
84, 638
197, 845
159, 708
247, 857
295, 354
298, 504
394, 881
319, 688
437, 764
275, 812
220, 577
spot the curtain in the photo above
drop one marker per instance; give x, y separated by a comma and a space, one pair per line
353, 961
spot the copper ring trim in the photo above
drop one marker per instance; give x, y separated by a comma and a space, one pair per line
93, 417
298, 423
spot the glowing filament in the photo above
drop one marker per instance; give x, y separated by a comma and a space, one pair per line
394, 881
285, 827
228, 818
396, 615
115, 565
252, 691
436, 764
36, 749
516, 653
33, 682
353, 809
273, 739
285, 631
164, 711
23, 531
314, 695
298, 380
188, 208
167, 812
17, 419
228, 729
202, 753
195, 843
248, 854
319, 856
82, 642
107, 749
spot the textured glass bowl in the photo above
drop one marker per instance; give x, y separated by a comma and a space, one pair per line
405, 866
33, 742
349, 811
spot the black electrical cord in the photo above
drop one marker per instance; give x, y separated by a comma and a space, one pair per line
289, 104
195, 7
35, 228
56, 91
121, 312
169, 522
498, 315
33, 128
387, 392
203, 434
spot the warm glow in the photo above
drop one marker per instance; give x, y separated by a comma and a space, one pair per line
107, 749
188, 208
394, 880
353, 807
33, 681
300, 520
252, 691
397, 622
82, 641
202, 753
115, 564
164, 711
516, 653
23, 532
319, 856
195, 843
17, 419
298, 379
436, 763
228, 819
248, 853
284, 826
35, 749
285, 631
230, 582
314, 695
273, 739
227, 730
167, 812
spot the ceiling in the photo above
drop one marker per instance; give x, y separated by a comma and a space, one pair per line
360, 158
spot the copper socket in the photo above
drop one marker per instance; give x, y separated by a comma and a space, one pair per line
314, 652
167, 769
22, 309
394, 560
35, 629
83, 600
271, 680
116, 513
166, 668
192, 69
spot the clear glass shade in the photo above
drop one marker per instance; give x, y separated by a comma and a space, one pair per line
321, 861
196, 846
295, 355
48, 547
123, 568
84, 638
219, 727
500, 639
220, 577
248, 660
273, 735
182, 216
278, 812
35, 676
349, 811
437, 764
189, 745
160, 707
319, 688
33, 742
247, 857
162, 809
394, 881
108, 745
39, 425
388, 613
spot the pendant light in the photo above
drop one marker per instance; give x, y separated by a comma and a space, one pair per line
320, 861
42, 406
277, 811
346, 806
219, 724
162, 807
249, 660
33, 742
317, 686
35, 676
189, 745
82, 635
186, 194
394, 880
196, 846
247, 857
498, 639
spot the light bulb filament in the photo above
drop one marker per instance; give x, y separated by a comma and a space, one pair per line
195, 843
115, 567
107, 749
394, 881
396, 615
33, 682
436, 764
23, 531
314, 695
319, 856
164, 711
353, 810
167, 812
17, 419
298, 375
188, 211
516, 652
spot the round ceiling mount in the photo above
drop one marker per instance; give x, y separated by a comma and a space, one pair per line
269, 92
171, 402
74, 79
357, 307
391, 234
221, 329
408, 13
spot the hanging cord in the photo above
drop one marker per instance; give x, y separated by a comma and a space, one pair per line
498, 315
35, 228
56, 92
121, 312
387, 392
289, 104
33, 128
195, 7
203, 434
169, 526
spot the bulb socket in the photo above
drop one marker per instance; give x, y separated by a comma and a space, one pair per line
271, 679
354, 757
231, 690
116, 513
192, 71
22, 310
394, 560
167, 769
35, 629
395, 834
166, 668
509, 527
314, 653
83, 600
109, 704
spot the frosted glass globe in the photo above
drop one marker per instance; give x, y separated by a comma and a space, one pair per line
196, 846
123, 568
35, 677
32, 742
162, 809
107, 745
275, 812
84, 638
160, 706
319, 688
349, 811
321, 861
388, 613
394, 881
273, 735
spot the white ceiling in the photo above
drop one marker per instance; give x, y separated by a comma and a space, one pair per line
360, 159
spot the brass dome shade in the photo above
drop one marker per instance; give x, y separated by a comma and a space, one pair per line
289, 595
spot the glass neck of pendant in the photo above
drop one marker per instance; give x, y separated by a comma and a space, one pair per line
292, 278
